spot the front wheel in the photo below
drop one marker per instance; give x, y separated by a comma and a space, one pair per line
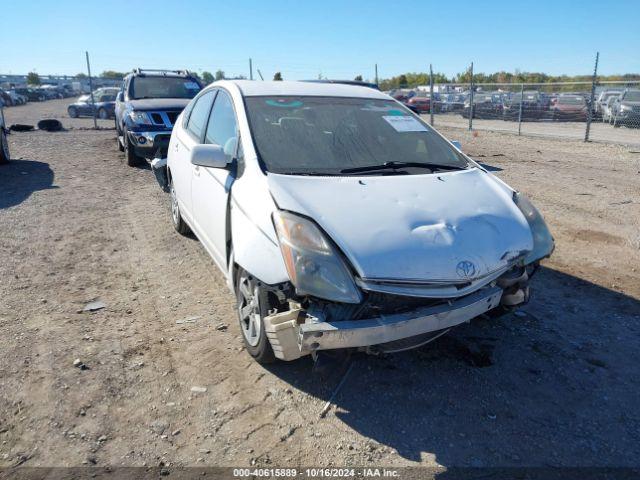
133, 160
73, 112
253, 305
103, 114
176, 217
4, 147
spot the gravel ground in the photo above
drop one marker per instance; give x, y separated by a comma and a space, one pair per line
555, 384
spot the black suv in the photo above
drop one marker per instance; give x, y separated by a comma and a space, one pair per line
147, 107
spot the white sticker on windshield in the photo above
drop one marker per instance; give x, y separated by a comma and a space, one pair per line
405, 123
191, 86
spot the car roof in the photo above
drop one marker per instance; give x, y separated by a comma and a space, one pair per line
251, 88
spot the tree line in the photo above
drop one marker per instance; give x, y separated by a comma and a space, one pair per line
408, 80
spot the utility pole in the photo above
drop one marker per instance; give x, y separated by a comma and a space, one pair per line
260, 73
520, 109
471, 99
431, 92
93, 103
250, 70
376, 73
593, 94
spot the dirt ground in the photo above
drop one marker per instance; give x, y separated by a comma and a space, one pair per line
554, 385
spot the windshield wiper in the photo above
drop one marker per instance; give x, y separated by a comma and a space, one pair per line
396, 165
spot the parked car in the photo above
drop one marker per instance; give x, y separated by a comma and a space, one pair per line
626, 109
452, 102
604, 96
49, 92
422, 104
5, 156
32, 94
485, 105
336, 216
17, 98
5, 99
607, 109
533, 106
104, 102
147, 108
569, 108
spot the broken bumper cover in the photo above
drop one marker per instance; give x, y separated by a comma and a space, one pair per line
150, 144
362, 333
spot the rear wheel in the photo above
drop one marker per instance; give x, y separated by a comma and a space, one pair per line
103, 114
4, 147
253, 305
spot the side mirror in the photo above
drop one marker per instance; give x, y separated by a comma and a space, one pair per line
457, 144
120, 97
208, 155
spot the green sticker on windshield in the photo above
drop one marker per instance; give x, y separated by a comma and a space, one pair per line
396, 113
284, 103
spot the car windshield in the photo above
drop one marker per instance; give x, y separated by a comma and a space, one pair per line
632, 96
326, 135
571, 100
163, 87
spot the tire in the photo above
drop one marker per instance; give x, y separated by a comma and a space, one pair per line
4, 147
132, 159
73, 112
176, 217
103, 114
615, 123
253, 305
118, 134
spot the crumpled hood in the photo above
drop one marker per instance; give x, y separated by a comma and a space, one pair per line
413, 227
159, 104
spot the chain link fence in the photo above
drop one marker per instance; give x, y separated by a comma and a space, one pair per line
597, 111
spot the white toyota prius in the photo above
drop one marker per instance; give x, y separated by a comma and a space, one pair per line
341, 220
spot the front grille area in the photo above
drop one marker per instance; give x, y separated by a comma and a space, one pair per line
173, 116
157, 119
167, 119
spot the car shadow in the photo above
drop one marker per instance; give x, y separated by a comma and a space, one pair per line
553, 385
20, 178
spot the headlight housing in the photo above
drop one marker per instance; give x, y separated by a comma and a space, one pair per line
139, 118
625, 108
314, 265
543, 243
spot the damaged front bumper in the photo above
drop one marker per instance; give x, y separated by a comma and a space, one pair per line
298, 332
388, 328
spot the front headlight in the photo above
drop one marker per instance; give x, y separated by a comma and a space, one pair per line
140, 118
625, 108
313, 264
543, 244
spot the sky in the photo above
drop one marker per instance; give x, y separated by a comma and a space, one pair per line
335, 39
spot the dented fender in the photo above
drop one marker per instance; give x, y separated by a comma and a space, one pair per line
254, 243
